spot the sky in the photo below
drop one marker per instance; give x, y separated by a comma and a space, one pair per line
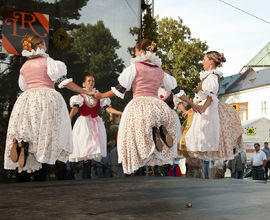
225, 29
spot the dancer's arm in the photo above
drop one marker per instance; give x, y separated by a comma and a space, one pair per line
182, 107
75, 88
99, 95
111, 110
57, 71
73, 111
169, 82
205, 105
186, 99
125, 82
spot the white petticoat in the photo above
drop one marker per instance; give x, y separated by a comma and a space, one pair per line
135, 143
89, 139
40, 117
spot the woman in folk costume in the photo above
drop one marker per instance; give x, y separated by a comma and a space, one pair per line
136, 147
89, 133
39, 129
173, 102
215, 131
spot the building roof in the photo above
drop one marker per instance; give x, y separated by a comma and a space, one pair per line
248, 80
226, 82
254, 74
262, 59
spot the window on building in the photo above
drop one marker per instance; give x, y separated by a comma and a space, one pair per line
242, 110
264, 108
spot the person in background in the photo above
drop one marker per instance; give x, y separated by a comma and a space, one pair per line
236, 167
266, 150
186, 165
194, 167
97, 169
117, 169
107, 164
243, 160
205, 168
175, 169
212, 169
220, 168
258, 163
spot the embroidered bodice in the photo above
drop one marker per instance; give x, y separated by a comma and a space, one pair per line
147, 80
35, 74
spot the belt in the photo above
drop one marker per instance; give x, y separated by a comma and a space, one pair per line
257, 166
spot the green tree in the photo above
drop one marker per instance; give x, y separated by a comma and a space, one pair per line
149, 27
96, 51
180, 52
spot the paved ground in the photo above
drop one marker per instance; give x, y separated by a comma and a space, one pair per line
136, 198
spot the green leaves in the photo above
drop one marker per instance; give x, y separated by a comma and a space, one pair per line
180, 52
96, 51
149, 25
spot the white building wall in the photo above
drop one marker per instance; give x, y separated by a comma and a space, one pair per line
255, 97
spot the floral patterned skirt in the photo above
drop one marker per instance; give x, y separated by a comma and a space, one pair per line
230, 135
40, 117
135, 143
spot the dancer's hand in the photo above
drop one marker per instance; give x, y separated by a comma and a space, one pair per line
202, 109
98, 95
185, 114
92, 93
195, 107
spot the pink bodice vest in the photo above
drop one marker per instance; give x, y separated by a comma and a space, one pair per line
35, 74
147, 80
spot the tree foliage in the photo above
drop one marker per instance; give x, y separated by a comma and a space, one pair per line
96, 48
180, 52
149, 27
